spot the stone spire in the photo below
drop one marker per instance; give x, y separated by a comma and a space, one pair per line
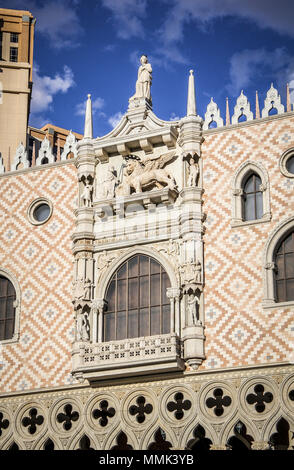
227, 112
191, 104
88, 134
257, 110
288, 108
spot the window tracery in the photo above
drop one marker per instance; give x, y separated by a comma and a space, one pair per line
250, 195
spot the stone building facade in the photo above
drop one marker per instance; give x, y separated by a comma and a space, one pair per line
148, 284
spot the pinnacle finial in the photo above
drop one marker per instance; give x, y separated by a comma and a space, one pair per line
191, 104
257, 110
228, 119
288, 107
88, 133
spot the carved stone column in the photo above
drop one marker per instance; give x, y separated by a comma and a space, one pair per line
174, 295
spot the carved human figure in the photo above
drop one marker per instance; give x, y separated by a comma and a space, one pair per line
143, 84
83, 326
87, 195
109, 183
198, 271
192, 304
78, 289
87, 289
193, 173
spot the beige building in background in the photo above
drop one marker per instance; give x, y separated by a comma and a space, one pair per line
16, 64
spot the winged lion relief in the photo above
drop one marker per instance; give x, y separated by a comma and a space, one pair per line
144, 175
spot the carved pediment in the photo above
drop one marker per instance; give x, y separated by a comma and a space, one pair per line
137, 129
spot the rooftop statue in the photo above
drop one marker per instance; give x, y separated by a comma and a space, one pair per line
143, 84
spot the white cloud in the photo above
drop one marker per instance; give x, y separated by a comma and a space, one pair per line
115, 119
45, 87
174, 117
273, 14
56, 19
248, 65
128, 15
97, 105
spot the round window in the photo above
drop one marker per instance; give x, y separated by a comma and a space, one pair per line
286, 163
290, 164
40, 211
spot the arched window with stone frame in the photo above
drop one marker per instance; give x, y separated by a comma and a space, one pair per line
278, 266
250, 195
135, 319
9, 307
136, 300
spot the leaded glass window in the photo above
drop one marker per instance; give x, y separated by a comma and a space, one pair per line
7, 308
284, 277
252, 198
137, 304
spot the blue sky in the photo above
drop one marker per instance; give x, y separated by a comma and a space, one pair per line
93, 46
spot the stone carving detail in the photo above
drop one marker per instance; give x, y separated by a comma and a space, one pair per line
32, 421
144, 81
106, 188
212, 115
45, 153
20, 158
139, 175
105, 258
191, 275
218, 402
192, 309
193, 173
4, 423
70, 146
259, 398
272, 101
67, 417
81, 289
82, 325
241, 109
171, 250
104, 413
140, 409
179, 405
197, 391
86, 196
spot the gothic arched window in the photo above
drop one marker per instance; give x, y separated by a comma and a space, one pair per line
284, 269
252, 198
136, 300
7, 308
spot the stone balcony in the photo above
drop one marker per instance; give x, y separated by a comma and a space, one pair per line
128, 357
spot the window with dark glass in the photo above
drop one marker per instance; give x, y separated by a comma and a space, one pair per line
14, 37
284, 274
290, 164
137, 304
252, 198
7, 309
13, 54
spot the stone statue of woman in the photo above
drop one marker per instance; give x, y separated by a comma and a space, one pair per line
143, 84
